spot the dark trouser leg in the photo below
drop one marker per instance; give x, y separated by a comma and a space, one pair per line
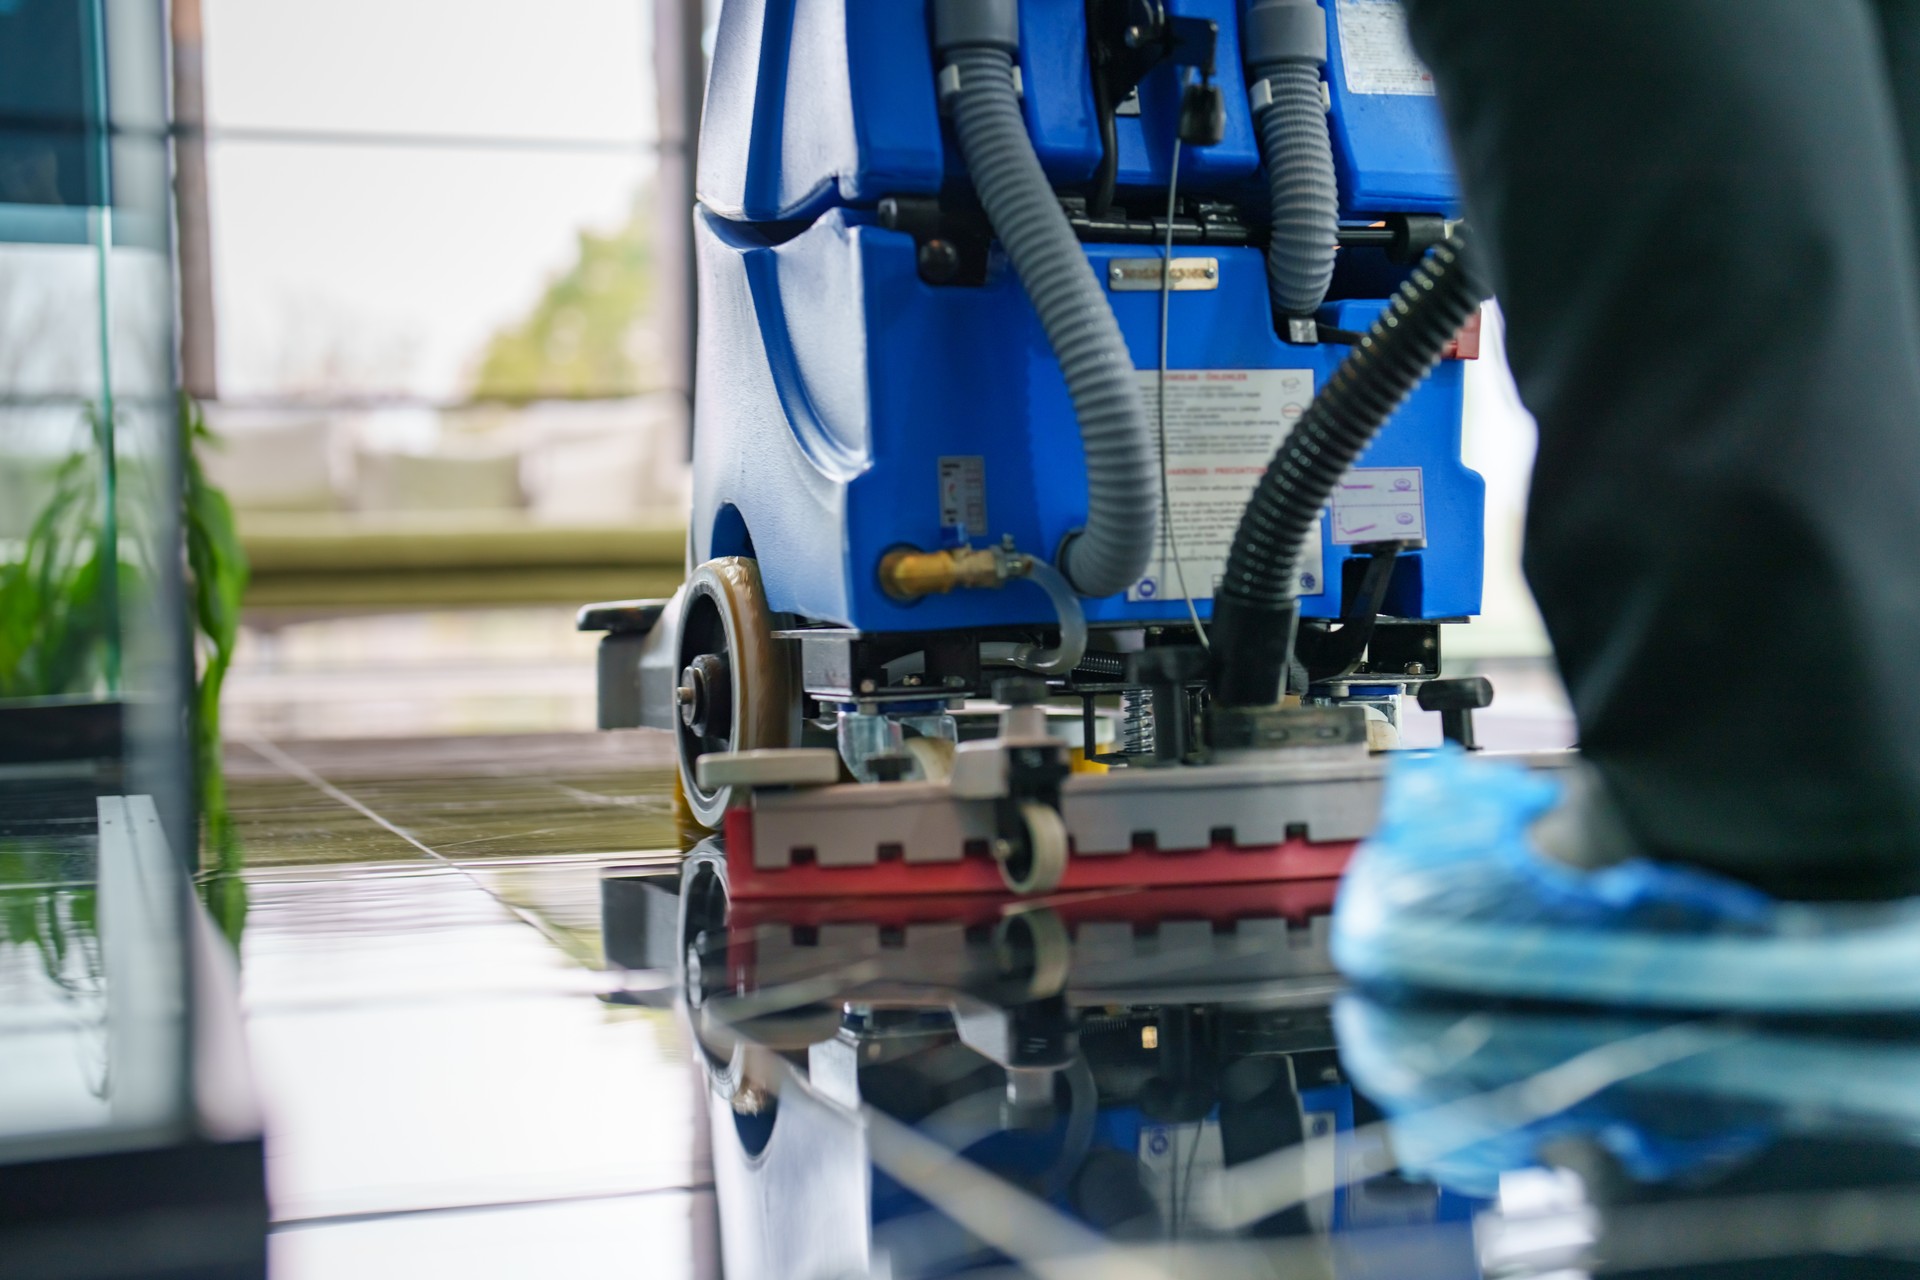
1900, 34
1698, 215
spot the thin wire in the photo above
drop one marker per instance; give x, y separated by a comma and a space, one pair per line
1171, 539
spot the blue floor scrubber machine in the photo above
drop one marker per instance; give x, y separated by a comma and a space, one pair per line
1062, 364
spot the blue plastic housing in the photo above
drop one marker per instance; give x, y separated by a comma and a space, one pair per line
833, 380
834, 102
1390, 150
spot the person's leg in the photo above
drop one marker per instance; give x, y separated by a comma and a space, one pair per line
1697, 216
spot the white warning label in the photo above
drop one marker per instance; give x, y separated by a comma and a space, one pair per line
963, 495
1379, 504
1378, 56
1223, 426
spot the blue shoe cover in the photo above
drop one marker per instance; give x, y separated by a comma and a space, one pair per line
1471, 1095
1450, 895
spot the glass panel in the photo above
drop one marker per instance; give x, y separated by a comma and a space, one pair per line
96, 827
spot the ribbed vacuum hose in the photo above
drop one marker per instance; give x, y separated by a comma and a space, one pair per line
1298, 153
1113, 550
1256, 605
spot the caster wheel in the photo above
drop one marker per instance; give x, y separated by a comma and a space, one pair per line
736, 689
1040, 866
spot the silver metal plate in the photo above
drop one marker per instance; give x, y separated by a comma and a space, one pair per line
1142, 275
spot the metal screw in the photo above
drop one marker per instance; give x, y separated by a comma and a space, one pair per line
1211, 271
1416, 668
1115, 273
684, 695
868, 686
912, 682
1002, 848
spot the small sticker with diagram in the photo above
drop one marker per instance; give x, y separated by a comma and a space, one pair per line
1379, 504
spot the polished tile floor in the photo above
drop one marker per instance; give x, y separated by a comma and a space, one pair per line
1130, 1083
449, 1090
453, 1082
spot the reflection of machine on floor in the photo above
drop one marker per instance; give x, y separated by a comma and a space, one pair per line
1108, 1054
964, 430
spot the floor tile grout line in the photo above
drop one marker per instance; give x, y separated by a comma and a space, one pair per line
295, 872
273, 753
487, 1206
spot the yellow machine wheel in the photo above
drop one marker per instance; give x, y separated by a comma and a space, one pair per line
687, 829
736, 690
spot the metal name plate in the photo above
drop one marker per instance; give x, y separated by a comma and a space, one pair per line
1140, 275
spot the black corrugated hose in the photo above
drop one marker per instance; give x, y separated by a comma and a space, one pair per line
1256, 607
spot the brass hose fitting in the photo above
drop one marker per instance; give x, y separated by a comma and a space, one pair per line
906, 574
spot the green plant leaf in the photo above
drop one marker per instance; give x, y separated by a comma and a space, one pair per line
52, 616
217, 563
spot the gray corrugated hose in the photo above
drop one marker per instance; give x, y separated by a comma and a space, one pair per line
1298, 152
1123, 498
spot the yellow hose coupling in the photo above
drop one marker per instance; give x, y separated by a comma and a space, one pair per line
906, 574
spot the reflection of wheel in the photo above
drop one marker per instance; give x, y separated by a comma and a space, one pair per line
1040, 865
1034, 946
736, 680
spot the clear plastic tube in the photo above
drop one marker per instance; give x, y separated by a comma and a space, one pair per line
1073, 628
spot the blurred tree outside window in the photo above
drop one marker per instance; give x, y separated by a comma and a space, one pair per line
432, 262
590, 332
443, 378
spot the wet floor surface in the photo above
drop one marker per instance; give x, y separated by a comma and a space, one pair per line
466, 799
1113, 1083
1175, 1083
497, 1031
453, 1083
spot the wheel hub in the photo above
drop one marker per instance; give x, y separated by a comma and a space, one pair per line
706, 696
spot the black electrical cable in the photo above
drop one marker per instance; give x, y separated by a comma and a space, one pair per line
1256, 607
1107, 176
1327, 655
